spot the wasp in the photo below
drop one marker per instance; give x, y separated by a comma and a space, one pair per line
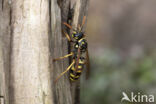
80, 47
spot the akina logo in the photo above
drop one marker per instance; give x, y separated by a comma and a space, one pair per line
137, 97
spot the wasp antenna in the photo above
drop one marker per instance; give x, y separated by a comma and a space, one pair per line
83, 21
69, 26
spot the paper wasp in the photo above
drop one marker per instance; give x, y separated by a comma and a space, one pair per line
80, 46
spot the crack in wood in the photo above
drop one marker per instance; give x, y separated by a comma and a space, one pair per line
10, 19
2, 4
40, 8
44, 97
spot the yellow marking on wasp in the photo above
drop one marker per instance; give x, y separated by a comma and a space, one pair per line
72, 79
76, 46
79, 71
81, 61
80, 67
72, 75
72, 35
77, 76
80, 39
73, 68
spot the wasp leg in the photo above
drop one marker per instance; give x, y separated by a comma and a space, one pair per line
65, 71
68, 37
60, 58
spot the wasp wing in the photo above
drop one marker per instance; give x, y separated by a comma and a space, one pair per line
77, 60
87, 64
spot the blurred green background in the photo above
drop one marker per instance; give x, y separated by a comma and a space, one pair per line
121, 35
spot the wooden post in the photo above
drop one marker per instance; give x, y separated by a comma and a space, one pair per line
30, 37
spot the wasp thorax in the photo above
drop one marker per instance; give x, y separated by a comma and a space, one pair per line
82, 44
77, 35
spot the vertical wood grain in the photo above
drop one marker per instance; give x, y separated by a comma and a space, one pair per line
4, 49
30, 71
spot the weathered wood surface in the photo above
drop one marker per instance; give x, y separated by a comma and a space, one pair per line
59, 47
30, 37
4, 49
30, 71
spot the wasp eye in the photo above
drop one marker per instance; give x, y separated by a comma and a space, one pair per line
77, 35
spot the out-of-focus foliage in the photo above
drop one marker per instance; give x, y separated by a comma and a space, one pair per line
122, 37
111, 76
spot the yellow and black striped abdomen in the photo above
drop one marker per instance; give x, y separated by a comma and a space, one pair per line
75, 74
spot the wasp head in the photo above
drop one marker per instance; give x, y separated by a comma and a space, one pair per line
77, 35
